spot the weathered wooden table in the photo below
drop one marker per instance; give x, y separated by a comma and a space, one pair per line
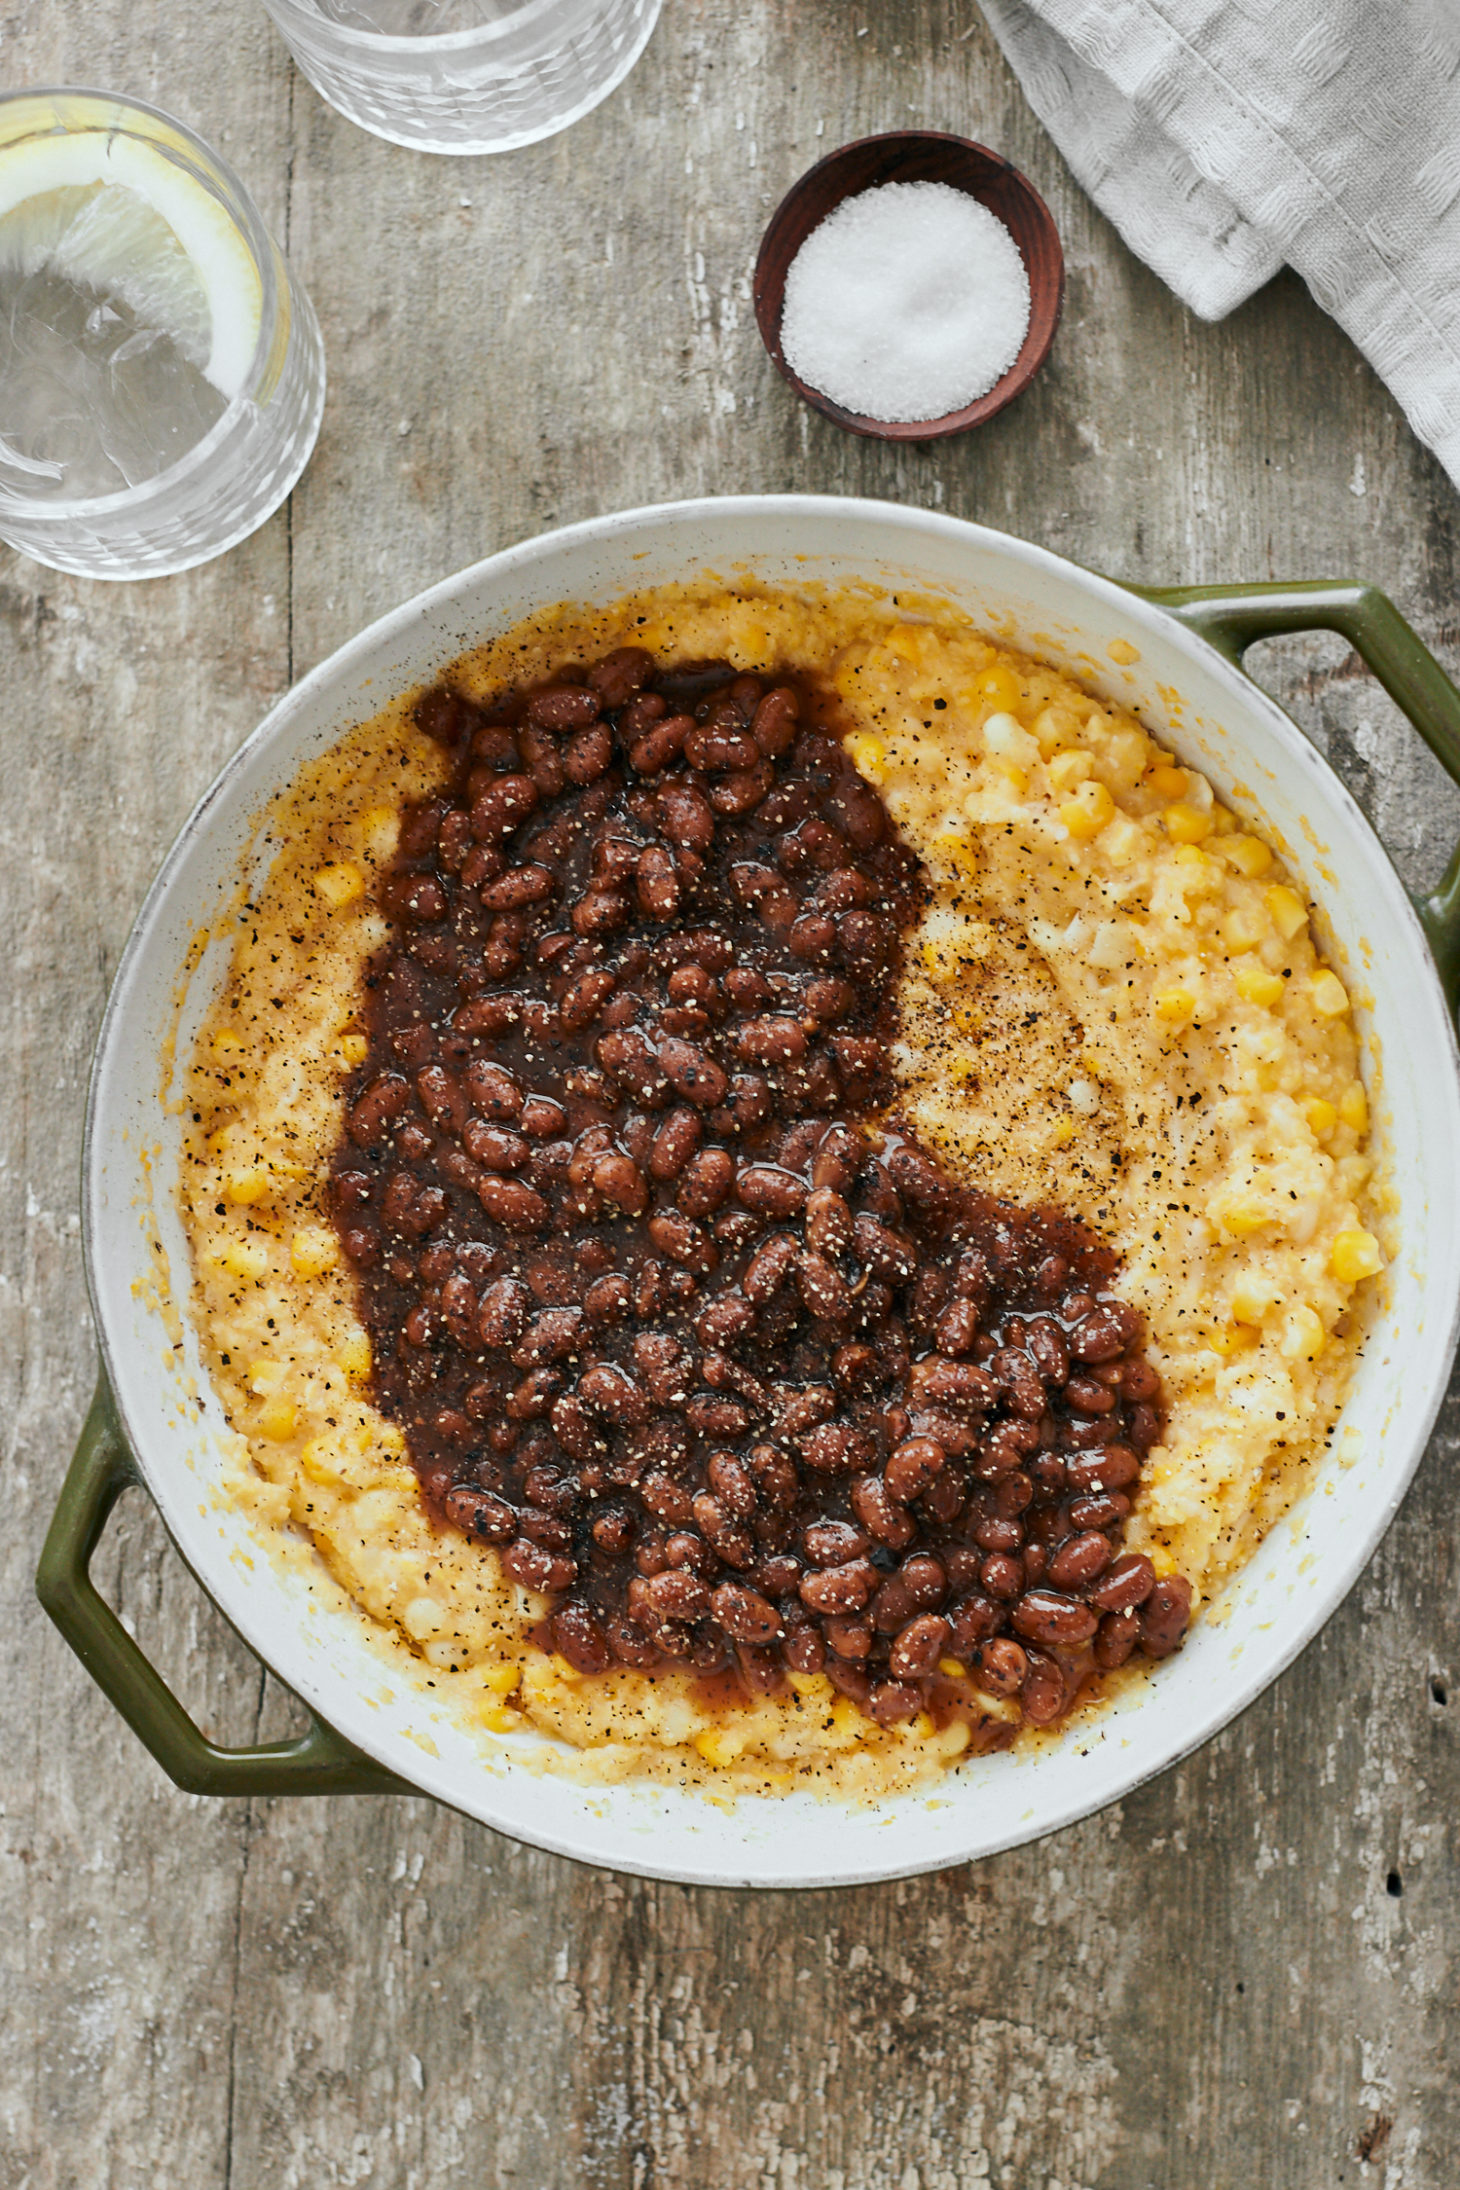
1243, 1976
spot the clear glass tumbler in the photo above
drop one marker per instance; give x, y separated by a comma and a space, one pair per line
161, 373
465, 75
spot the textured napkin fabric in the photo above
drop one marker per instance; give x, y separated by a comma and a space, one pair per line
1226, 138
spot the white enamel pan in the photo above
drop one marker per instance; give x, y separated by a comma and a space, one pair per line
155, 1421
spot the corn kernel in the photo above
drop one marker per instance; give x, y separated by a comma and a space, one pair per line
1255, 985
1321, 1117
1355, 1255
265, 1377
720, 1745
999, 688
1068, 769
1248, 854
502, 1679
354, 1048
1121, 650
313, 1251
1289, 913
277, 1418
1330, 997
1013, 775
247, 1187
1304, 1337
1174, 1005
1252, 1298
340, 885
226, 1045
1237, 1338
1086, 814
244, 1258
1064, 1132
952, 1670
498, 1719
869, 756
355, 1356
564, 1671
1166, 781
1162, 1560
920, 1728
1187, 824
1243, 1215
321, 1461
1353, 1107
1244, 927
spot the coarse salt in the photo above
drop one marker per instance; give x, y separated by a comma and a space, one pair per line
907, 302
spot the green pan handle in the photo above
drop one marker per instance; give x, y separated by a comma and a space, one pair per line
320, 1762
1231, 618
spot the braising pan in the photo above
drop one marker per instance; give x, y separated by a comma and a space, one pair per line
155, 1422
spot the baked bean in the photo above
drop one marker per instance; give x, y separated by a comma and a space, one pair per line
716, 1504
1043, 1693
1125, 1584
515, 1206
1001, 1666
692, 1074
1118, 1634
1110, 1467
1046, 1616
1165, 1616
774, 725
918, 1647
707, 1179
674, 1144
839, 1589
1078, 1561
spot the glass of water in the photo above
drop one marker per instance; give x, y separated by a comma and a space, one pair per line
161, 373
465, 75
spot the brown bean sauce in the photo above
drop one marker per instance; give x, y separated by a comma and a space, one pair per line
672, 1311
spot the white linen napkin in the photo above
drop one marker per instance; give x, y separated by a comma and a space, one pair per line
1225, 138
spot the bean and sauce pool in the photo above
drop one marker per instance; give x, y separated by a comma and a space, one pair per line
671, 1310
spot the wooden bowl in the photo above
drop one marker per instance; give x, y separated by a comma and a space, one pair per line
916, 155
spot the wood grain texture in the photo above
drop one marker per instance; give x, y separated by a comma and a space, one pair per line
1244, 1975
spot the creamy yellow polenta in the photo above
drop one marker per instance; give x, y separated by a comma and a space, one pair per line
1114, 1003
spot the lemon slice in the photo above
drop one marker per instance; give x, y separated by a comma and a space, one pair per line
112, 214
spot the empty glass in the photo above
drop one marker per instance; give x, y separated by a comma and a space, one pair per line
465, 75
161, 374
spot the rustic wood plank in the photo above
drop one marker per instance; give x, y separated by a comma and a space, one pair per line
1243, 1974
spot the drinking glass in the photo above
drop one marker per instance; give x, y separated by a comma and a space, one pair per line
161, 372
465, 75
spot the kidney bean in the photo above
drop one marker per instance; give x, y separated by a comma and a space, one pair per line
386, 1098
774, 724
513, 1205
628, 1057
1125, 1585
839, 1589
1116, 1637
1042, 1696
1165, 1616
773, 1040
918, 1647
1001, 1576
882, 1518
502, 807
996, 1533
675, 1142
481, 1514
912, 1467
1079, 1561
692, 1074
886, 1253
1101, 1509
1046, 1616
1110, 1467
1001, 1666
535, 1567
1104, 1332
707, 1179
659, 744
